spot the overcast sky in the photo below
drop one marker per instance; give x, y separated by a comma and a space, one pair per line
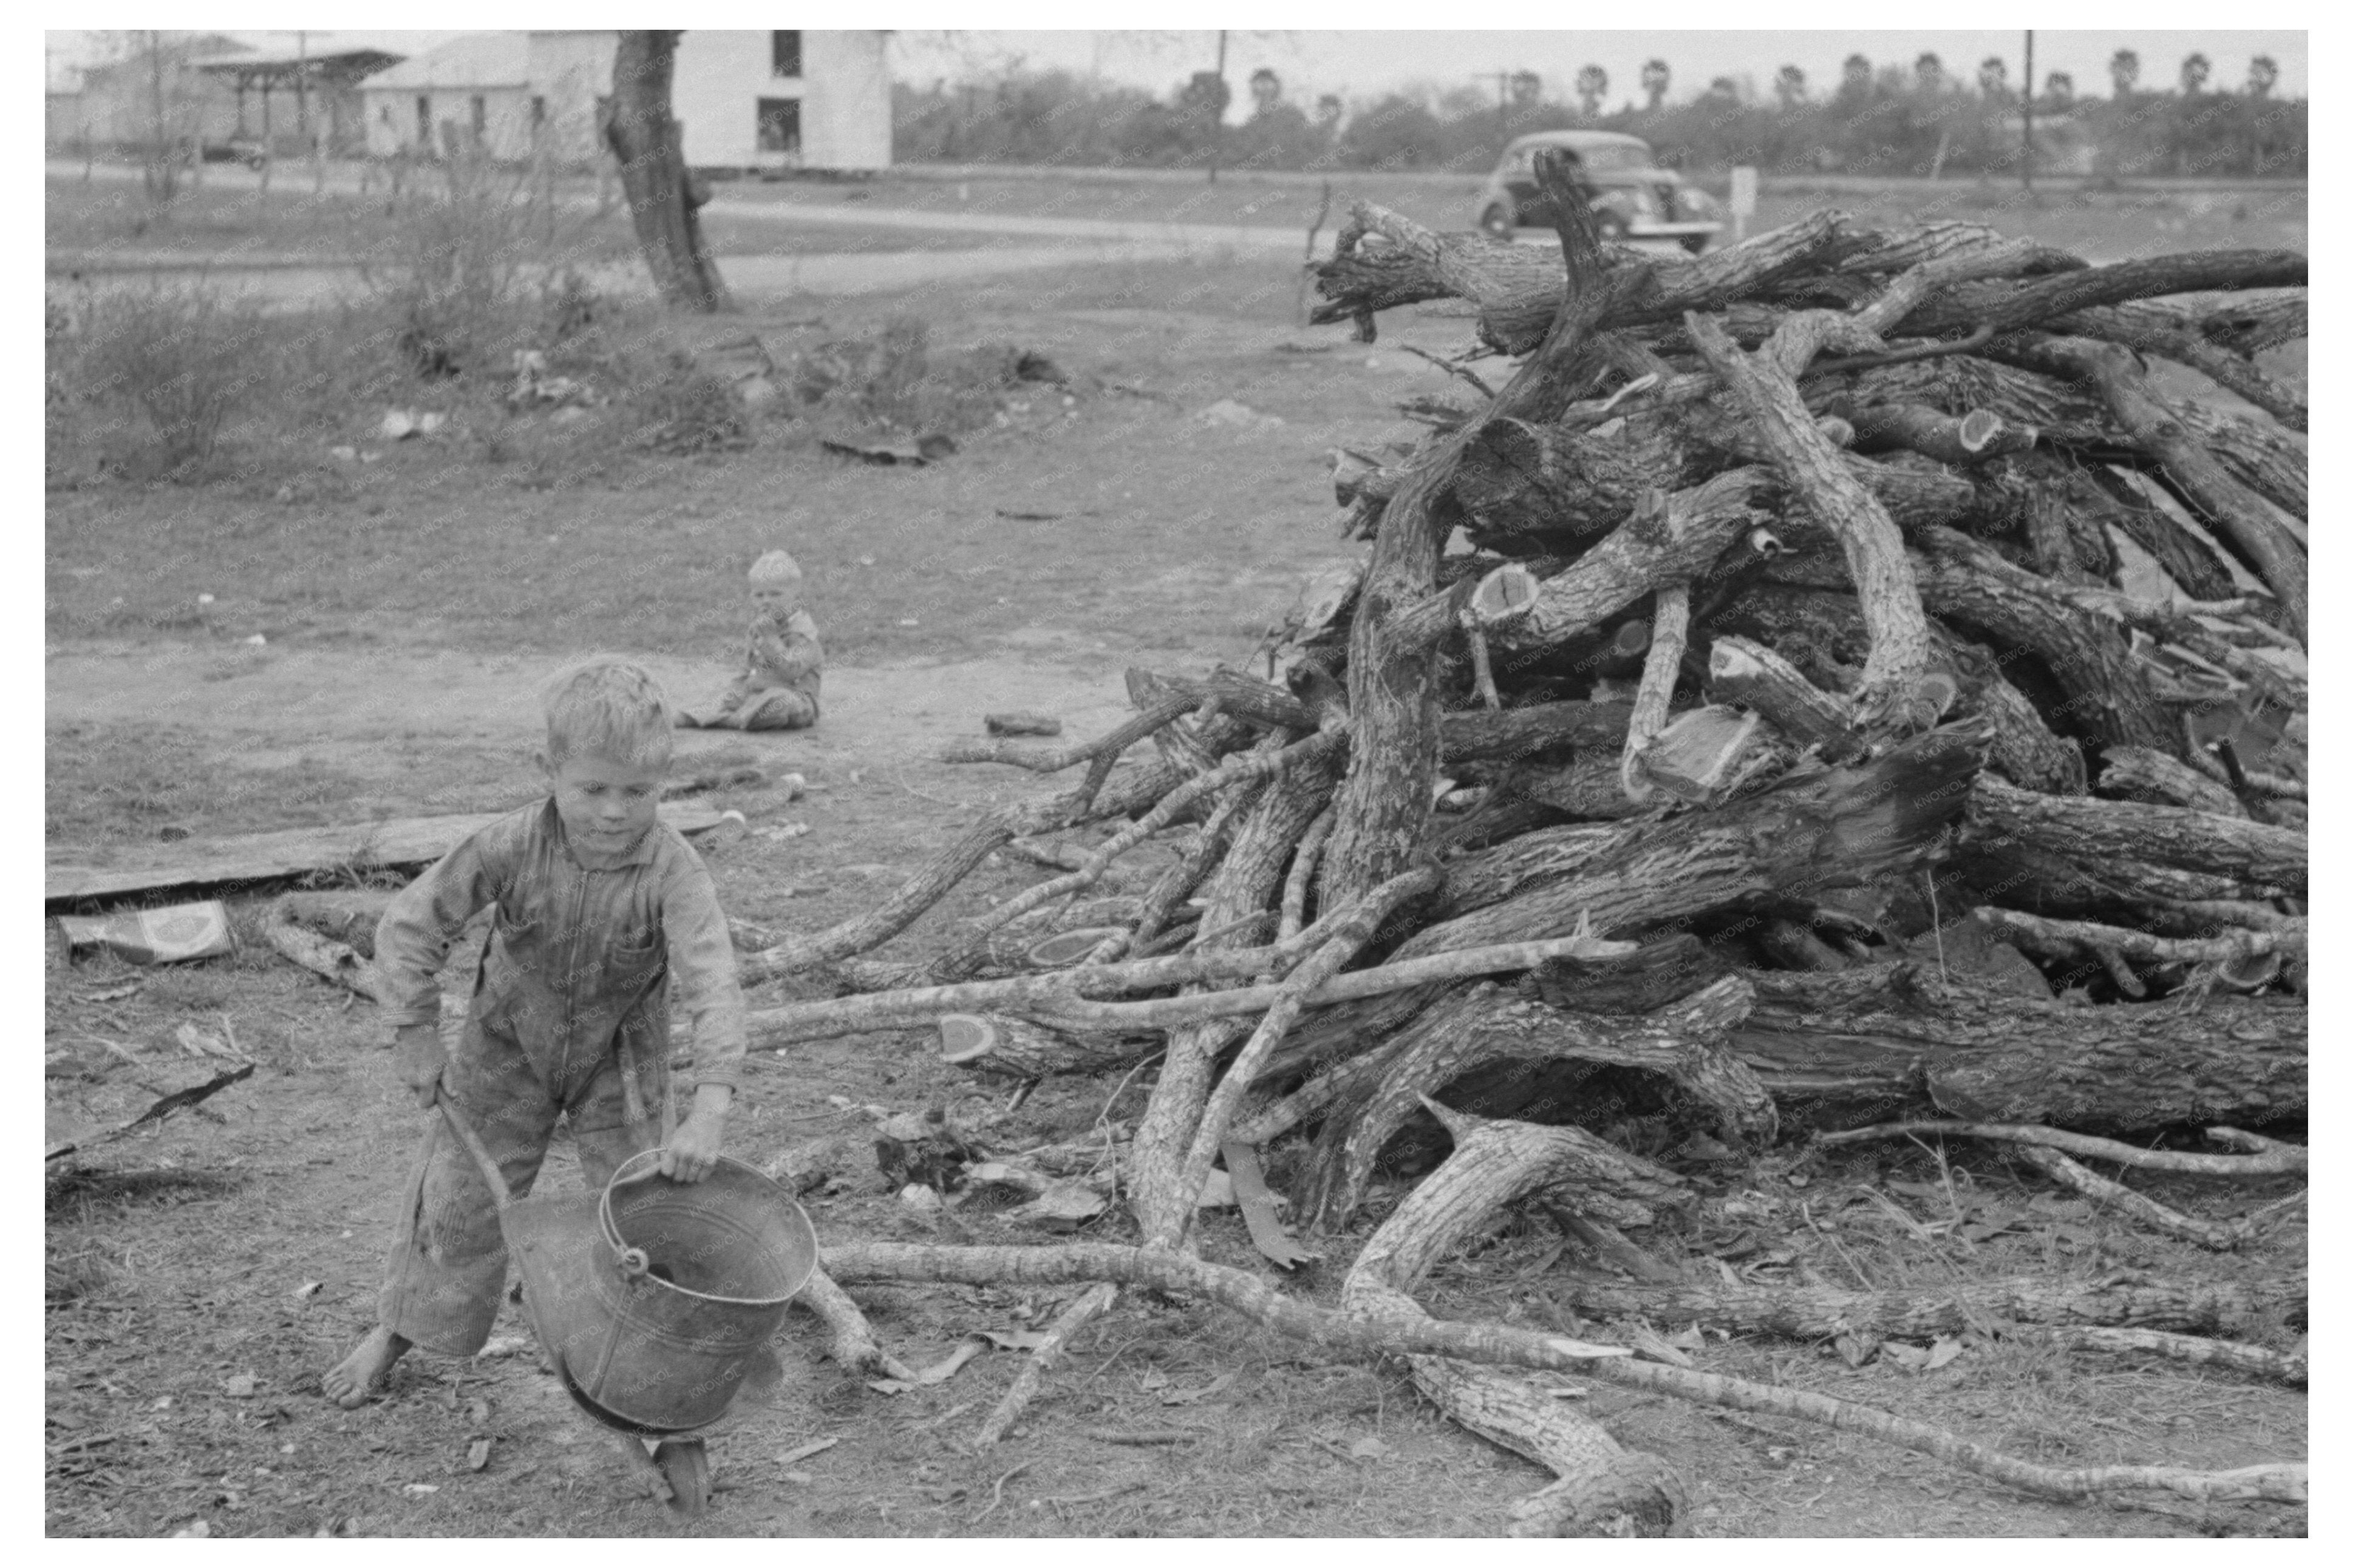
1365, 61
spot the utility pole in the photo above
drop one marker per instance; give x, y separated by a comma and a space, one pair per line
1217, 111
1502, 110
2026, 158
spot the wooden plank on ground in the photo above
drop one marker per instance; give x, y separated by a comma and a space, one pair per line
111, 872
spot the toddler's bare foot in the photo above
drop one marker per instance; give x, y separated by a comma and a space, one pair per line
350, 1381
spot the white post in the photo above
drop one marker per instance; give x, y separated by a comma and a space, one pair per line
1744, 200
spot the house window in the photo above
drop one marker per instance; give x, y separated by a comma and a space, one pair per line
538, 111
780, 125
481, 112
784, 53
424, 121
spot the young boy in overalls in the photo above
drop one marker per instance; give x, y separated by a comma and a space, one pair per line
598, 905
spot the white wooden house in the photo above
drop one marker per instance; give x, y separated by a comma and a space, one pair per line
745, 100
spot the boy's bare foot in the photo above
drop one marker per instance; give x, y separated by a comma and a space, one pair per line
350, 1381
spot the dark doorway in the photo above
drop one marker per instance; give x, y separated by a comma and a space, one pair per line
780, 125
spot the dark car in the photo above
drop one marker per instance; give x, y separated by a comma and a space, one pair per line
1632, 197
234, 150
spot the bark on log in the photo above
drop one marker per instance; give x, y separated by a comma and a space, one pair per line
1245, 882
2278, 1160
2009, 307
2171, 335
2221, 1236
1015, 1047
1518, 289
2255, 1361
1381, 812
2241, 518
1819, 1312
1603, 1489
2272, 464
1887, 695
2089, 829
2106, 694
1684, 1042
1976, 437
663, 195
1701, 524
2136, 772
2194, 564
1744, 671
1849, 1049
1825, 829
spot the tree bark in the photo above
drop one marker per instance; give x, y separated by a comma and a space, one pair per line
2009, 307
1849, 1049
1684, 1042
2243, 518
1014, 1048
1603, 1490
1382, 810
1826, 828
2095, 831
1887, 696
1801, 1312
663, 194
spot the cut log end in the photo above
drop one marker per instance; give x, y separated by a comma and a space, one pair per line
966, 1037
1506, 593
1066, 948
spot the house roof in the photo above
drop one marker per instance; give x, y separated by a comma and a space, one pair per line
468, 60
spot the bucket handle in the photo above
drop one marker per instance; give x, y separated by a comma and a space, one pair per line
474, 1146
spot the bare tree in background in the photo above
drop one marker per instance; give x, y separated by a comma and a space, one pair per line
1790, 85
663, 195
2124, 71
1592, 87
1656, 78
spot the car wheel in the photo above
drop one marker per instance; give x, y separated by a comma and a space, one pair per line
1497, 221
1610, 225
1696, 243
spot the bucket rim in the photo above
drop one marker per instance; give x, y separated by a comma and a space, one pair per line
623, 1176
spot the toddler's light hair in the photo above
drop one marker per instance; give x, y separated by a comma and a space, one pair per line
608, 708
776, 566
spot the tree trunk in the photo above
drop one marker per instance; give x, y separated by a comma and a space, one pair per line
663, 194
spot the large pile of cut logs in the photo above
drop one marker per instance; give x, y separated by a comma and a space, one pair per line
1868, 698
1868, 689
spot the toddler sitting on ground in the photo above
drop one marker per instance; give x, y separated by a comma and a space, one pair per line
777, 689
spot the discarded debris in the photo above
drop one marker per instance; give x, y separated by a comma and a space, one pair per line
404, 424
1229, 414
911, 454
1021, 723
176, 933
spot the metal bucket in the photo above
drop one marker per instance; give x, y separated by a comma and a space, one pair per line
688, 1281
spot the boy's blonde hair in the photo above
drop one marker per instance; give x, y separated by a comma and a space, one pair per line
607, 707
776, 566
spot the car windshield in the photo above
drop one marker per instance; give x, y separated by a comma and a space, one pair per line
1608, 159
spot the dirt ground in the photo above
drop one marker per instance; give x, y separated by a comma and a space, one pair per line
201, 1275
